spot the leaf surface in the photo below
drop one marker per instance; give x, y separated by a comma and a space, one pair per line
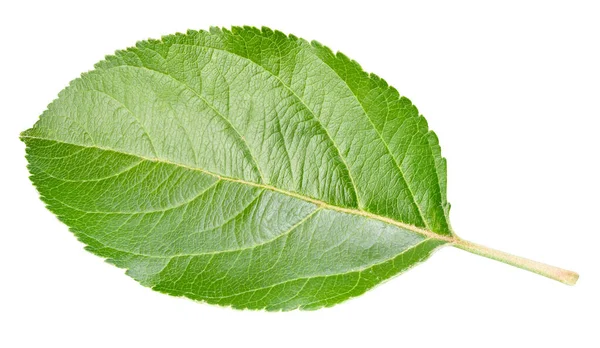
244, 168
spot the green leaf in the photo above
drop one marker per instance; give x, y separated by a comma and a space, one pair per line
245, 168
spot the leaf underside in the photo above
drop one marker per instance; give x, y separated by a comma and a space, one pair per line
243, 168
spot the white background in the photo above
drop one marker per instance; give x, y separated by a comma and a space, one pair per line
511, 89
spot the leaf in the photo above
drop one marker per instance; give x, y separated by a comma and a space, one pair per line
246, 168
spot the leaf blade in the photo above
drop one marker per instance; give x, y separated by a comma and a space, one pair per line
306, 156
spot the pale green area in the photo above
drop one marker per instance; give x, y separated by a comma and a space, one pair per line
197, 162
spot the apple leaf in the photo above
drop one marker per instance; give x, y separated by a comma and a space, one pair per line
246, 168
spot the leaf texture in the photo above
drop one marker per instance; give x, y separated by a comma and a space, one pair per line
243, 168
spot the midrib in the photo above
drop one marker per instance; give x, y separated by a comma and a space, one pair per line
319, 203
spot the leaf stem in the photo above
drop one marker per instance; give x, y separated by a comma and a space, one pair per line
556, 273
